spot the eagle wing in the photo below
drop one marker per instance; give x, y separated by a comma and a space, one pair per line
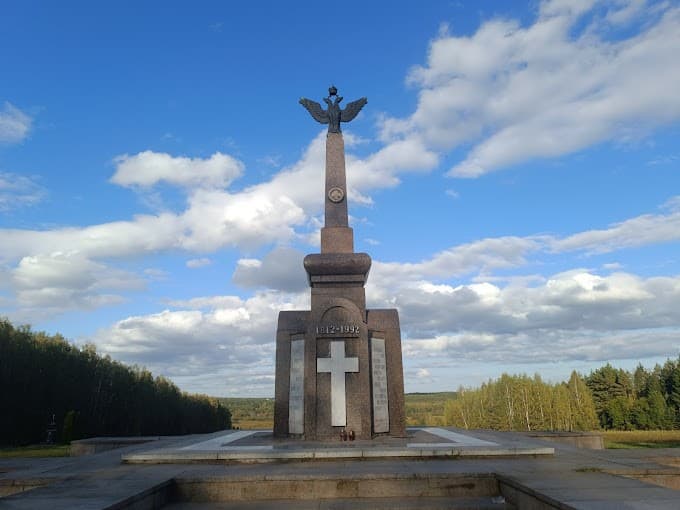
352, 109
315, 110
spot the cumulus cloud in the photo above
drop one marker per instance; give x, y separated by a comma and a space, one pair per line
280, 269
227, 337
545, 90
570, 317
543, 347
14, 124
149, 168
215, 219
19, 191
279, 211
45, 285
270, 212
382, 169
452, 309
639, 231
481, 256
573, 316
577, 299
144, 234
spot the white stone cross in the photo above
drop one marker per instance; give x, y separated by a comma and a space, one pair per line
338, 366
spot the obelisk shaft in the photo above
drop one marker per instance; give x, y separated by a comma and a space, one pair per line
336, 235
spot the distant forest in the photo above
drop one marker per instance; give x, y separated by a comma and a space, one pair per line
609, 398
89, 394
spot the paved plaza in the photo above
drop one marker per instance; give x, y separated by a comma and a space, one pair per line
569, 478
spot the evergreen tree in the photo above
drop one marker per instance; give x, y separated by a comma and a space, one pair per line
89, 395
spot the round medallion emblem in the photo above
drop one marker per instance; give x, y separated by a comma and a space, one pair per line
336, 195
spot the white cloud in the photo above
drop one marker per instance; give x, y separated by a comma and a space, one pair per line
200, 262
625, 11
49, 284
276, 211
14, 124
543, 347
280, 269
149, 168
544, 90
570, 317
423, 373
18, 191
207, 342
144, 234
254, 217
481, 256
641, 230
574, 300
260, 214
381, 169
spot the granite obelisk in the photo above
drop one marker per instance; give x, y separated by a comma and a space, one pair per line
338, 365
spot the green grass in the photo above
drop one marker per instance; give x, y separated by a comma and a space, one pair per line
258, 413
615, 445
50, 450
426, 408
250, 413
624, 439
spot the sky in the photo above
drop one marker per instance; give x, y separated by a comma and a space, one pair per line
515, 177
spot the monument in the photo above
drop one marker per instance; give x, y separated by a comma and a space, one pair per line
338, 366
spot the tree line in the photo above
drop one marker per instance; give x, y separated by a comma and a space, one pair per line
608, 398
519, 402
639, 400
88, 394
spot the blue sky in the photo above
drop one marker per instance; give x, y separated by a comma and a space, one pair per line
515, 177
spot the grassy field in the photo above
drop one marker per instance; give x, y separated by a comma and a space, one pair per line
250, 413
51, 450
426, 408
617, 439
258, 413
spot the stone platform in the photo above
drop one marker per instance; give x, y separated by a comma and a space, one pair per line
262, 446
572, 478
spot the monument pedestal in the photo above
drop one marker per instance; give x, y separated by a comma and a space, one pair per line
338, 366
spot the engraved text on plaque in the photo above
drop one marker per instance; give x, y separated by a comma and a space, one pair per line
381, 415
296, 398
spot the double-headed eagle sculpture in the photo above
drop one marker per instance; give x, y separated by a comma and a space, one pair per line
334, 115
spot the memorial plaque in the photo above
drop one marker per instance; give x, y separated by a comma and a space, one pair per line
381, 414
296, 400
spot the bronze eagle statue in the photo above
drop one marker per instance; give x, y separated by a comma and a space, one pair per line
333, 116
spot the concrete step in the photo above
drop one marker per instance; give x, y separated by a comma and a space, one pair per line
427, 503
227, 489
